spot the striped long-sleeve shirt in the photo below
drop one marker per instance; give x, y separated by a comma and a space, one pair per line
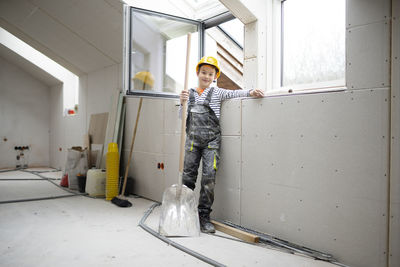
219, 94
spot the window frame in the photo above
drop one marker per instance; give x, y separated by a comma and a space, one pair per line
128, 55
278, 61
201, 26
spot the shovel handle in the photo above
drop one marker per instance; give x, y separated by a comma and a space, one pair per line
184, 111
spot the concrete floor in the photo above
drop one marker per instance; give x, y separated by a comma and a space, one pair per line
82, 231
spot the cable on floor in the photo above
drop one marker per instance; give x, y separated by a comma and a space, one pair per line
291, 247
72, 193
173, 243
35, 199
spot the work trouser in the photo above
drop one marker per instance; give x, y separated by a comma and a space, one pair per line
208, 152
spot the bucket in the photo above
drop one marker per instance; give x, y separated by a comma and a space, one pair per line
81, 183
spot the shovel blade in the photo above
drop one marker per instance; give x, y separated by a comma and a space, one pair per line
179, 215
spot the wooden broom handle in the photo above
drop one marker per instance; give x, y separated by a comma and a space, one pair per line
131, 149
133, 138
184, 111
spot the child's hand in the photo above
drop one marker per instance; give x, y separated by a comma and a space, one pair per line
184, 96
256, 93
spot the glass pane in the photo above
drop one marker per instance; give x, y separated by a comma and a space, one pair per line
159, 53
313, 41
235, 29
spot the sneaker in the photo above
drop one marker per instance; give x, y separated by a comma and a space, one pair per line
206, 226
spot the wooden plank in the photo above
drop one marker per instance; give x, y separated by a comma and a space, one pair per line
86, 144
118, 118
121, 129
235, 232
97, 127
111, 124
96, 155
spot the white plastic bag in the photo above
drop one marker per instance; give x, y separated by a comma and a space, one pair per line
77, 163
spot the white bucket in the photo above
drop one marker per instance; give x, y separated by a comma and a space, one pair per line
96, 182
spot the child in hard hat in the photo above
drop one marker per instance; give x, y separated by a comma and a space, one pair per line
203, 134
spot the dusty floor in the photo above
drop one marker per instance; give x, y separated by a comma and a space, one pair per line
82, 231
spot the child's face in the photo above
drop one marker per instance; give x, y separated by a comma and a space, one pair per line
206, 75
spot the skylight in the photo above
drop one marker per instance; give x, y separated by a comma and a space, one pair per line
190, 9
70, 80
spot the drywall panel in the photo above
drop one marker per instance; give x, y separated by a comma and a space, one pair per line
24, 117
250, 73
368, 56
250, 37
64, 42
394, 223
150, 126
153, 147
50, 32
171, 141
97, 127
171, 160
148, 180
315, 171
172, 122
227, 188
101, 85
231, 117
360, 12
58, 149
92, 20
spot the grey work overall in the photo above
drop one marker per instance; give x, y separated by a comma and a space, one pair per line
203, 139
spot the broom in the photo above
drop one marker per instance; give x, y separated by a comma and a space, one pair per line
119, 201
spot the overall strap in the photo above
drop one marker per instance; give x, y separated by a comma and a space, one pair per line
208, 98
191, 97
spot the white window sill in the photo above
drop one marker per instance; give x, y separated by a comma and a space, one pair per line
312, 88
291, 91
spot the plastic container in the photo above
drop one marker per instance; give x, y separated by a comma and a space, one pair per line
96, 182
112, 171
81, 182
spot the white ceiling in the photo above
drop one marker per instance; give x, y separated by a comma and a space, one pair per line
81, 35
84, 35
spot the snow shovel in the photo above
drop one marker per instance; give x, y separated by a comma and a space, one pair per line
179, 215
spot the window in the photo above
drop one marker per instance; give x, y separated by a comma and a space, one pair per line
235, 30
312, 43
155, 48
158, 52
225, 42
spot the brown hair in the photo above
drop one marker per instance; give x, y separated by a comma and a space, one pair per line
202, 64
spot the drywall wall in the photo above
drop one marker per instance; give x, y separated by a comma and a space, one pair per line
24, 116
95, 92
66, 131
156, 143
315, 170
308, 168
311, 168
394, 230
